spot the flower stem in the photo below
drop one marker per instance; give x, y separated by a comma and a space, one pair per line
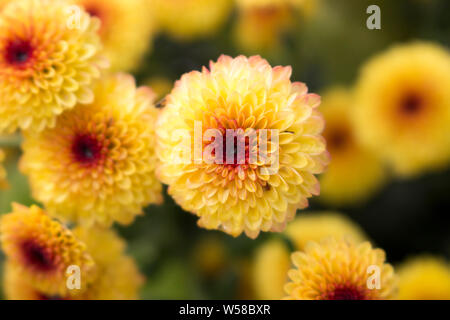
10, 141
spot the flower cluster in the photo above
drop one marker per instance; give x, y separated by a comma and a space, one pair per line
238, 143
88, 147
395, 120
40, 250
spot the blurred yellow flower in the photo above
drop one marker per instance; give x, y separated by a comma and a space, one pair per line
354, 172
270, 267
247, 194
117, 277
188, 19
41, 250
271, 262
17, 288
403, 107
126, 30
3, 181
98, 163
320, 225
3, 3
424, 278
260, 23
340, 270
45, 66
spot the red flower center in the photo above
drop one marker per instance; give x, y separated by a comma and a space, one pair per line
86, 149
37, 256
18, 52
93, 11
411, 104
42, 296
345, 293
236, 149
338, 139
97, 11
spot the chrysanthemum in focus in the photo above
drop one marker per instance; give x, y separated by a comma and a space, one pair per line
98, 163
126, 29
42, 249
354, 173
3, 182
117, 277
261, 23
271, 262
270, 267
251, 184
320, 225
424, 278
403, 107
47, 65
188, 19
340, 270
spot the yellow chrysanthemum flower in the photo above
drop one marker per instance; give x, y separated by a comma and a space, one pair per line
3, 3
98, 163
42, 249
188, 19
271, 262
126, 30
261, 22
320, 225
3, 181
340, 270
15, 287
254, 183
424, 278
403, 107
117, 277
270, 266
46, 65
354, 172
